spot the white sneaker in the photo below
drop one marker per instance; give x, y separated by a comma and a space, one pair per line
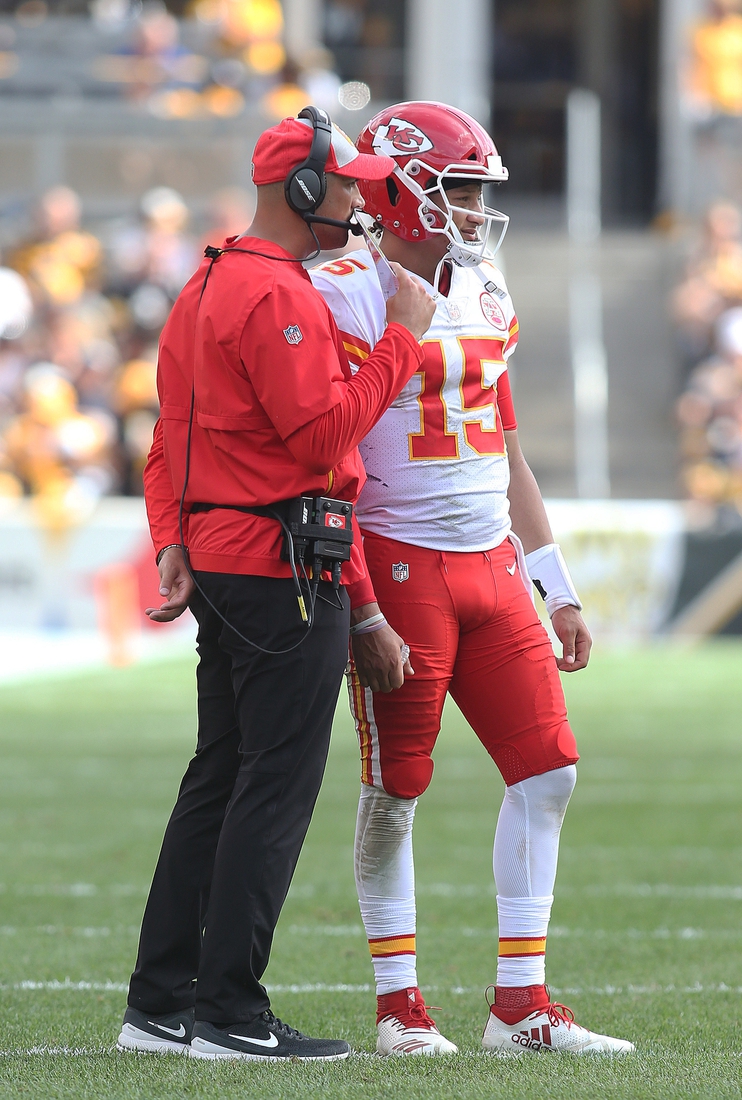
405, 1028
552, 1028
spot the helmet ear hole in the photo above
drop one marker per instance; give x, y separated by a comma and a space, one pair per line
392, 191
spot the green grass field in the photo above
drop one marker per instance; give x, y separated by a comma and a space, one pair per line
646, 932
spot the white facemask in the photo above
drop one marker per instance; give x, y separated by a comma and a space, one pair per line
464, 253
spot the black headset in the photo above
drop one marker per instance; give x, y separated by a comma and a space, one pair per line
305, 185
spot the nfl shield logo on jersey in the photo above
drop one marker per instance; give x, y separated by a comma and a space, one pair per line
401, 571
293, 334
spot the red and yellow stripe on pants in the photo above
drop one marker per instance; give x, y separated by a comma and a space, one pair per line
386, 946
521, 947
362, 708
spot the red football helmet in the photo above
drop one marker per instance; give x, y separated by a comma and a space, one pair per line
432, 143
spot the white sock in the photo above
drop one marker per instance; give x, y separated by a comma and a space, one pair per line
522, 927
524, 862
385, 880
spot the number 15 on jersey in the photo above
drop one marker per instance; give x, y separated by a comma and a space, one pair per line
443, 407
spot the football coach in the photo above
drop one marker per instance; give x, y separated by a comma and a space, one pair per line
249, 489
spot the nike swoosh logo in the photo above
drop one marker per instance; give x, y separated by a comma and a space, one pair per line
271, 1042
179, 1033
511, 569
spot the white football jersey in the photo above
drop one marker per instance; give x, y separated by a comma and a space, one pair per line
436, 462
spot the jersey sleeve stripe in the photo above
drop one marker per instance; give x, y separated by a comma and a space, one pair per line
505, 403
357, 349
355, 355
513, 331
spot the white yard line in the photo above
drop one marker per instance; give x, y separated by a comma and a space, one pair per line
437, 889
72, 889
626, 890
356, 931
70, 1052
68, 986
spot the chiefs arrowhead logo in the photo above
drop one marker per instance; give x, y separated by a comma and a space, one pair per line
492, 311
400, 139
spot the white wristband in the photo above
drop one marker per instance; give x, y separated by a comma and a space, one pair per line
548, 571
375, 622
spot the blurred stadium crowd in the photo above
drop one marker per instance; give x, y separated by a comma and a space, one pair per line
81, 314
82, 302
707, 308
219, 57
81, 310
707, 303
80, 317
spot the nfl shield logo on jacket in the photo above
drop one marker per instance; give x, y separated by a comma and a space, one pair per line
293, 334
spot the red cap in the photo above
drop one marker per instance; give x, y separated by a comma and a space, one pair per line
286, 145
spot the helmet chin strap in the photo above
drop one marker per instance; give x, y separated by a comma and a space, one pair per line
463, 258
437, 276
460, 258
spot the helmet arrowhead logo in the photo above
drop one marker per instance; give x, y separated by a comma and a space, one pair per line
400, 139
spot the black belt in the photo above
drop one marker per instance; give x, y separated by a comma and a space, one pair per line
272, 511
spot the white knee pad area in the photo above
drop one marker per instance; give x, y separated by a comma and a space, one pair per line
385, 880
527, 836
384, 868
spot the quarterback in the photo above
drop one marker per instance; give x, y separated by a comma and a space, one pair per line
455, 532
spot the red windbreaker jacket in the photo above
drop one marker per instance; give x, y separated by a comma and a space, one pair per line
277, 412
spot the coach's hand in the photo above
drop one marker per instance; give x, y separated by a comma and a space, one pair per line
175, 584
571, 630
378, 656
411, 306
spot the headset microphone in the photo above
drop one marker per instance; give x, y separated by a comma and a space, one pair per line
352, 227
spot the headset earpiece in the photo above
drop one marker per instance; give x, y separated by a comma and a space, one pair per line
305, 185
305, 191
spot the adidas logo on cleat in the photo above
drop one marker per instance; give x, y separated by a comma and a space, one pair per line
550, 1028
533, 1040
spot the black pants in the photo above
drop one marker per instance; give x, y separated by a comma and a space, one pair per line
245, 802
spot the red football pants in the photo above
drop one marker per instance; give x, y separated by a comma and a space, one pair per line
472, 630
